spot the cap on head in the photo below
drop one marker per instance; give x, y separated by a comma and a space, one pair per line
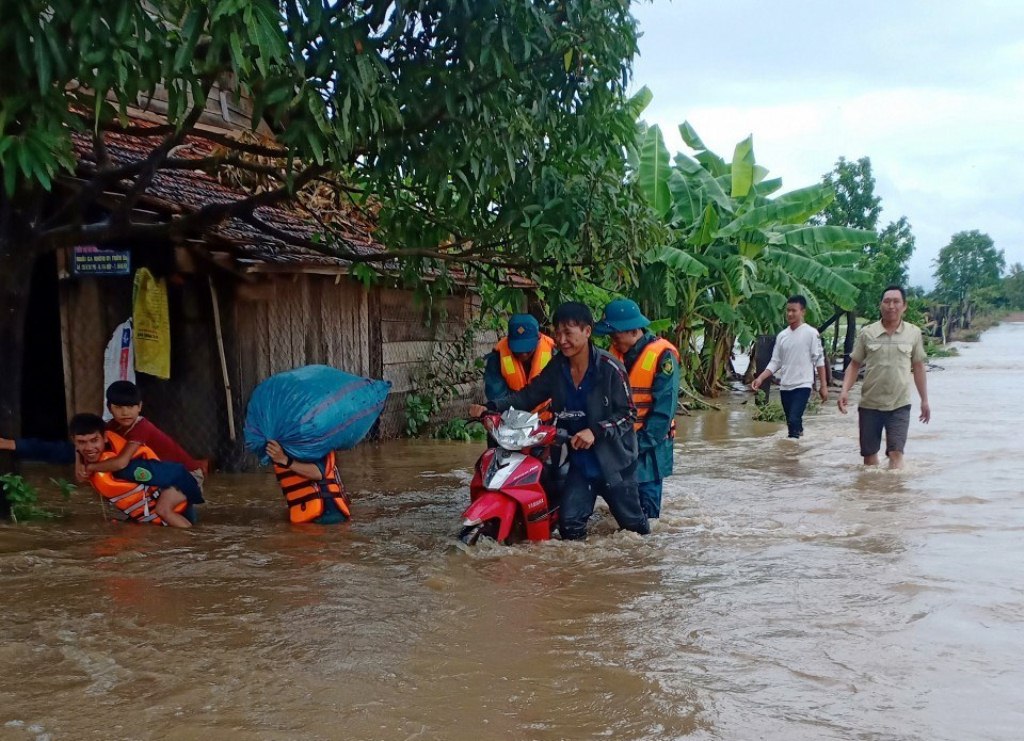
523, 333
621, 315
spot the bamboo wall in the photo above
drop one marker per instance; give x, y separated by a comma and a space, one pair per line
276, 324
190, 406
411, 344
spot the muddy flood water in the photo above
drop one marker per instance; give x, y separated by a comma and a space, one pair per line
787, 593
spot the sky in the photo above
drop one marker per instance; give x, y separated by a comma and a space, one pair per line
932, 91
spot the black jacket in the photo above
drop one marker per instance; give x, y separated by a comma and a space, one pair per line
610, 411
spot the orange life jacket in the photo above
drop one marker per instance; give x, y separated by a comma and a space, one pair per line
641, 378
306, 497
515, 375
134, 499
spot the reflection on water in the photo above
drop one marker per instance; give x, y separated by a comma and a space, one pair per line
787, 592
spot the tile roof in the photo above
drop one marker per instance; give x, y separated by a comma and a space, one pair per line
190, 190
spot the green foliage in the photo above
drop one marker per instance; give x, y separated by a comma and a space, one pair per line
483, 138
969, 262
886, 261
486, 133
419, 408
461, 429
935, 349
883, 261
855, 204
767, 411
736, 251
65, 487
452, 366
24, 498
1012, 287
772, 411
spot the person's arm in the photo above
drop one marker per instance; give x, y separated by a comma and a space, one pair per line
310, 471
538, 390
818, 360
495, 386
45, 451
849, 378
921, 381
857, 358
131, 447
665, 397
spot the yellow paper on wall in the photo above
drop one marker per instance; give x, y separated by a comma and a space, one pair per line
152, 325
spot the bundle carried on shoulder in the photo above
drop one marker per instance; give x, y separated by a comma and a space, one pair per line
313, 410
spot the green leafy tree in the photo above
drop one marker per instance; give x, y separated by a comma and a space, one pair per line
737, 250
488, 133
1013, 287
886, 261
855, 204
970, 261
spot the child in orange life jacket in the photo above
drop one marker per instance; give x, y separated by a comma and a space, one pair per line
176, 486
313, 490
125, 405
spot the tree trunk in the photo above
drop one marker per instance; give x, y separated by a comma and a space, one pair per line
851, 335
764, 345
15, 284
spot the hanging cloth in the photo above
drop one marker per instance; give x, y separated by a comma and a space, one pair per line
152, 325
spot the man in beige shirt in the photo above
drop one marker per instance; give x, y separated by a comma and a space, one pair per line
893, 352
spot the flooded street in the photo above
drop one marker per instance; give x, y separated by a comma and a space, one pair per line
787, 593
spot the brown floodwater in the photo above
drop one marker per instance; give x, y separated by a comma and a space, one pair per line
787, 593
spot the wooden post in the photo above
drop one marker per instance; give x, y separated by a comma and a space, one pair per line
223, 360
65, 334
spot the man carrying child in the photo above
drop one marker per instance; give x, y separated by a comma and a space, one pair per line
127, 460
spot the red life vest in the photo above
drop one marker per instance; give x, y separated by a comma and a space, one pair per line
134, 499
641, 379
305, 497
515, 374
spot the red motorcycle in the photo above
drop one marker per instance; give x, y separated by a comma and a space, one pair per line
509, 493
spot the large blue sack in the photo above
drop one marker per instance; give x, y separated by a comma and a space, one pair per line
311, 411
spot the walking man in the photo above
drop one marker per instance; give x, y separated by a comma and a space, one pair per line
796, 358
892, 351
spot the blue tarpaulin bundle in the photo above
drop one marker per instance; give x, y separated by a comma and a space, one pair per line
312, 410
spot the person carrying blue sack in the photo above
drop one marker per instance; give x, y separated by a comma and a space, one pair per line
313, 490
517, 359
297, 419
653, 366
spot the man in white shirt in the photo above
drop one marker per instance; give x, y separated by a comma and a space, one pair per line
798, 354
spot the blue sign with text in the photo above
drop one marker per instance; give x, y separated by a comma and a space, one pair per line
90, 260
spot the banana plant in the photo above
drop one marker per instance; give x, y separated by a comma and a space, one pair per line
737, 250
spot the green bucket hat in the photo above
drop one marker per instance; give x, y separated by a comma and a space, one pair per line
621, 315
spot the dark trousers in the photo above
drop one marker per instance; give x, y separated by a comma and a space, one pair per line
794, 402
580, 494
650, 498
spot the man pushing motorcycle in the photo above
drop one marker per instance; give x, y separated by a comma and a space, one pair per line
591, 399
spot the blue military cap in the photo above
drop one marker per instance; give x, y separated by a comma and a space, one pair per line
523, 333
